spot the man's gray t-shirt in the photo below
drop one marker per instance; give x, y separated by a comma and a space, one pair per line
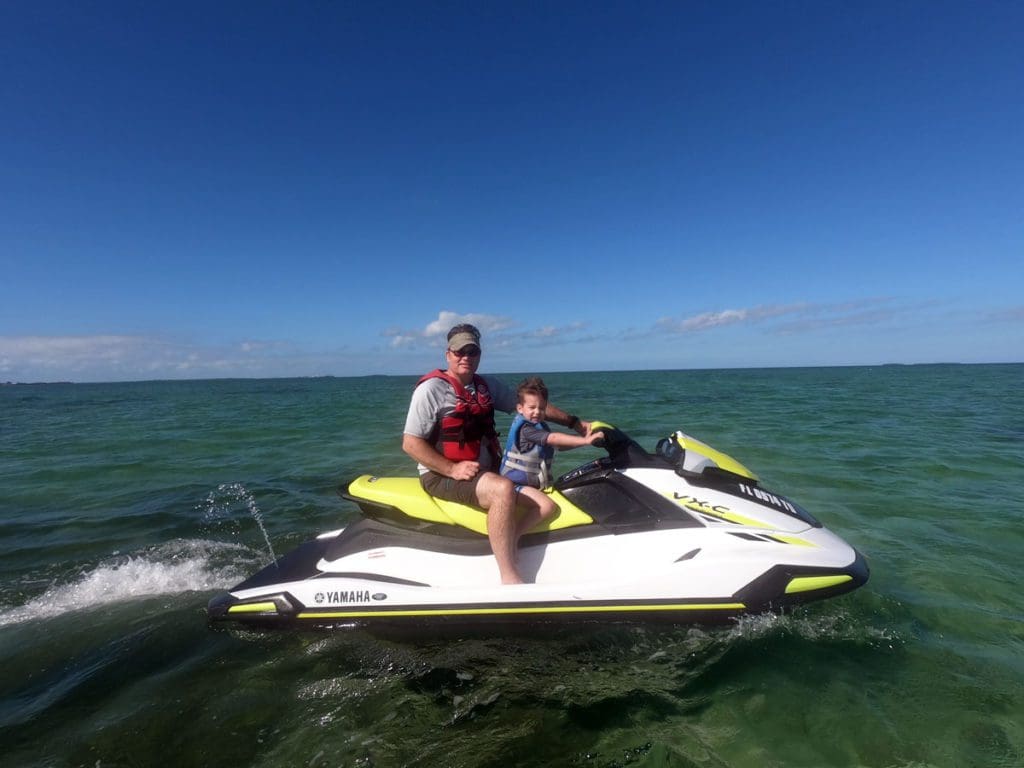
434, 399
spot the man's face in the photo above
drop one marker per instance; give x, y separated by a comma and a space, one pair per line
465, 360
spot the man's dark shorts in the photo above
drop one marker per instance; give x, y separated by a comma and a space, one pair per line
462, 491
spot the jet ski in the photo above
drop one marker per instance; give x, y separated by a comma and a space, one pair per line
683, 534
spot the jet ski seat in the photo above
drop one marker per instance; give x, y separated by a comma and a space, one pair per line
406, 495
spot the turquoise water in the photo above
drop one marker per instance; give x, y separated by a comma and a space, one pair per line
125, 507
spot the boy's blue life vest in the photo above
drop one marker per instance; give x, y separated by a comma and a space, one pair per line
531, 467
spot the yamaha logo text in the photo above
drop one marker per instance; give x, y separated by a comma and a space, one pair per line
340, 597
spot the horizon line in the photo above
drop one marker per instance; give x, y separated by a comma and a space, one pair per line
65, 382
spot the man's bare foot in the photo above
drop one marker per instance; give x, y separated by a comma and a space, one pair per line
513, 579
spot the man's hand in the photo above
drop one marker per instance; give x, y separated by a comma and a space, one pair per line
464, 470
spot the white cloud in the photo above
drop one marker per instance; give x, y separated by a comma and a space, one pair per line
113, 357
67, 352
794, 318
500, 334
399, 340
446, 319
708, 320
434, 332
552, 333
118, 358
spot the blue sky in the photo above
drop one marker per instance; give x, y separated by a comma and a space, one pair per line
193, 190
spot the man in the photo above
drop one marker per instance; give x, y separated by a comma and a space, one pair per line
450, 432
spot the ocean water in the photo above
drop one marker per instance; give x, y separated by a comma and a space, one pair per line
125, 507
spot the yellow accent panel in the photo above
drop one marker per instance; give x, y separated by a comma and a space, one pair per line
406, 494
568, 515
809, 583
792, 540
467, 517
523, 611
253, 608
723, 460
723, 513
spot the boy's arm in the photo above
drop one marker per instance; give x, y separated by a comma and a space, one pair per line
563, 441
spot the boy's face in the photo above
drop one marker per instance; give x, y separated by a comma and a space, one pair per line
532, 407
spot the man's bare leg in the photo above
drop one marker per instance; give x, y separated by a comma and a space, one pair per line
497, 495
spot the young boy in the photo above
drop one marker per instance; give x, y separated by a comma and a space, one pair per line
530, 449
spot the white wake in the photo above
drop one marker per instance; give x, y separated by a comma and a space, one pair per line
168, 569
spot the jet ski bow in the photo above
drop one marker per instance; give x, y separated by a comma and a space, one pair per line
683, 534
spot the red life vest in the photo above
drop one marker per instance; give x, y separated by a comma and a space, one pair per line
461, 433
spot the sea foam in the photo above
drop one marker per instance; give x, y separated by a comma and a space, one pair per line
171, 568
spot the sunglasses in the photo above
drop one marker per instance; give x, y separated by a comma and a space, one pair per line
466, 352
